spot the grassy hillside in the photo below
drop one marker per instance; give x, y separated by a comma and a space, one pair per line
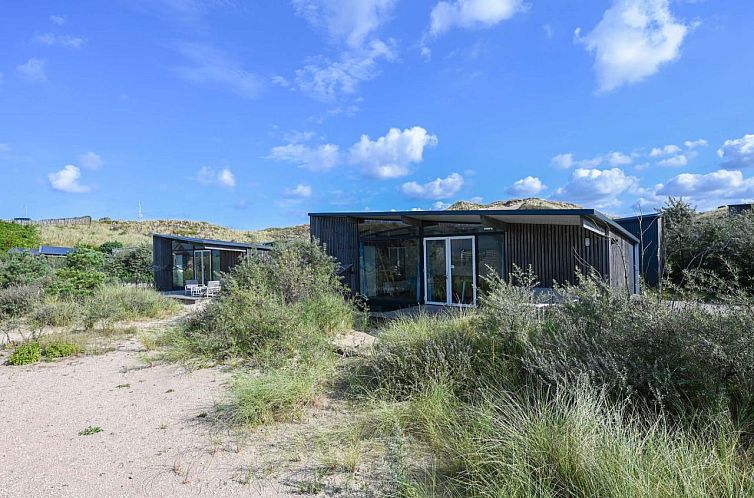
529, 203
138, 232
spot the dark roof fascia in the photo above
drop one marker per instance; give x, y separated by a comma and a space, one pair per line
649, 216
593, 213
226, 243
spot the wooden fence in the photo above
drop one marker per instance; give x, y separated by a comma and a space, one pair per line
80, 220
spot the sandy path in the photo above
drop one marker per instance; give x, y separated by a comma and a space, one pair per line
154, 443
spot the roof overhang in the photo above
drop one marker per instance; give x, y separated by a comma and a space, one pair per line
589, 219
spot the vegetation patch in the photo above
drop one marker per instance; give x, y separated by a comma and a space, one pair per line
88, 431
57, 348
25, 354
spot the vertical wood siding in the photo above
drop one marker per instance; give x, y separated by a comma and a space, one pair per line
621, 261
339, 235
556, 253
162, 263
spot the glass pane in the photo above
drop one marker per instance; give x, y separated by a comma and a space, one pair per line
462, 270
215, 264
490, 250
375, 229
183, 269
390, 271
202, 266
437, 278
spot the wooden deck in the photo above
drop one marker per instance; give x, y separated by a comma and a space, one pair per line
182, 297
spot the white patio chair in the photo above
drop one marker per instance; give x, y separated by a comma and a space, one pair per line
213, 288
198, 290
190, 284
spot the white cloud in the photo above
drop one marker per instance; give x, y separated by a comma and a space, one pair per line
67, 180
440, 205
674, 161
709, 190
213, 67
391, 155
439, 188
566, 161
633, 39
693, 144
298, 192
321, 158
346, 20
597, 187
91, 160
471, 14
209, 176
33, 70
59, 20
663, 151
738, 151
51, 39
326, 79
531, 185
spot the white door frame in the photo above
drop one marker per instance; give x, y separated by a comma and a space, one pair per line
201, 258
449, 271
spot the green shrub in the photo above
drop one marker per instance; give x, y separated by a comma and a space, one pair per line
73, 282
17, 235
55, 313
329, 313
26, 353
110, 246
18, 301
22, 269
131, 265
60, 349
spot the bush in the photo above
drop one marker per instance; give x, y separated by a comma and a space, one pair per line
268, 318
18, 300
22, 269
73, 282
115, 303
55, 313
17, 235
26, 353
132, 265
60, 349
110, 246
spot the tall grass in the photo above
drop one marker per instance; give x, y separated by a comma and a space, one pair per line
115, 303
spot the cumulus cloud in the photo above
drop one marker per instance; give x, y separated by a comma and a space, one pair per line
739, 151
33, 70
676, 161
327, 79
67, 180
566, 161
439, 188
666, 150
91, 160
531, 185
320, 158
471, 14
345, 20
391, 155
693, 144
209, 176
597, 187
300, 191
633, 40
59, 20
51, 39
212, 67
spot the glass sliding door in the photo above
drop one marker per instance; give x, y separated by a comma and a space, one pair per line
203, 266
436, 261
450, 271
462, 271
389, 271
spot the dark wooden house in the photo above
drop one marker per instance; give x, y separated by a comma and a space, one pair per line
177, 259
398, 259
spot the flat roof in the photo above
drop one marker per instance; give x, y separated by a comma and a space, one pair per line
226, 243
523, 216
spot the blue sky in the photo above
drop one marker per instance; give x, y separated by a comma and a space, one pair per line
253, 113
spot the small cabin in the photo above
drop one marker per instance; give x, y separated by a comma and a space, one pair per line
399, 259
176, 259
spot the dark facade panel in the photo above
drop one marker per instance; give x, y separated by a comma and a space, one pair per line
556, 253
340, 237
649, 230
162, 257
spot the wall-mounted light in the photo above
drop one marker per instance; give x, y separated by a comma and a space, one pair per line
587, 241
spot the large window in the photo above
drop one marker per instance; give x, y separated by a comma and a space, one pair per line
491, 257
390, 271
